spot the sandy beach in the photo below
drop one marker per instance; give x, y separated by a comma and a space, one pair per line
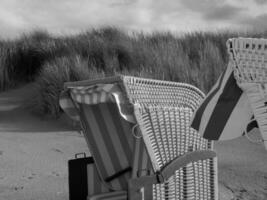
34, 155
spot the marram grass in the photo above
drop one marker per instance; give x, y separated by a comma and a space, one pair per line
195, 58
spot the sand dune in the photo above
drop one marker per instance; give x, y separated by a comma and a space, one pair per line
34, 155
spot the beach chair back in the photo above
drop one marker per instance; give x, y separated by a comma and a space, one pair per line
248, 57
173, 148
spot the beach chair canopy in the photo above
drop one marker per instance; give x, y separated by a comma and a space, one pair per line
106, 109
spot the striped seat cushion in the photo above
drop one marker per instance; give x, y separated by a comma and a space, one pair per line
109, 139
141, 166
103, 111
118, 195
112, 144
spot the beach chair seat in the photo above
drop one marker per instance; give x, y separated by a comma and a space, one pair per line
184, 164
105, 108
249, 61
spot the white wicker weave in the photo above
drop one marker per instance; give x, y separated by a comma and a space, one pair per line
248, 56
162, 93
167, 134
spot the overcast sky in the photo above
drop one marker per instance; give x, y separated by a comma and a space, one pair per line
73, 16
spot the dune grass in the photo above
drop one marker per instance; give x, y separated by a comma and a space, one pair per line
196, 58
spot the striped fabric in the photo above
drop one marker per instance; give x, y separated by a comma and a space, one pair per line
225, 112
118, 195
112, 144
102, 109
96, 94
94, 182
109, 139
68, 105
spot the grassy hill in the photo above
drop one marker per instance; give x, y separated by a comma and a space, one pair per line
197, 58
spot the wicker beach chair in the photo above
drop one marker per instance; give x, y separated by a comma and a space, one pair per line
105, 108
248, 57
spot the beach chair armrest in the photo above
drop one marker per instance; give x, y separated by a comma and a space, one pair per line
184, 160
142, 186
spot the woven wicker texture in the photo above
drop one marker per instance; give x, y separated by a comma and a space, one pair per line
196, 181
167, 134
164, 93
248, 56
